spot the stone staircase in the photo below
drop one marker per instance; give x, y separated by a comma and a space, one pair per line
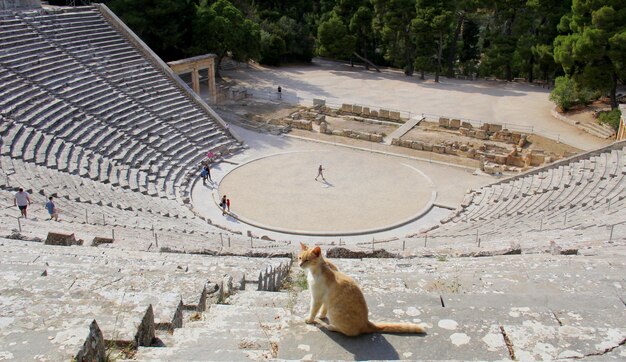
50, 295
597, 129
525, 307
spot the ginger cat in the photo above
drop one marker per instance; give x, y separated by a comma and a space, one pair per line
337, 295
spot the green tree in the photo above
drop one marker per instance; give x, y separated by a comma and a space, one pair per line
361, 27
333, 38
162, 24
392, 19
221, 28
434, 20
593, 51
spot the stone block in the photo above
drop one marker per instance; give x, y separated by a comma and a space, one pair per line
365, 111
395, 142
516, 161
320, 118
376, 137
62, 239
417, 145
500, 159
481, 134
492, 168
374, 113
94, 348
438, 149
444, 122
383, 113
464, 131
428, 147
406, 143
146, 330
466, 125
485, 127
338, 132
356, 109
394, 115
455, 123
346, 108
319, 102
493, 128
323, 127
100, 240
537, 159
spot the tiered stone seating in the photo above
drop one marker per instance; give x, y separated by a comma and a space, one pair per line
72, 75
50, 294
528, 307
570, 200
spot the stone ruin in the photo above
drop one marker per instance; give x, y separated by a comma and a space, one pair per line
488, 131
382, 114
493, 156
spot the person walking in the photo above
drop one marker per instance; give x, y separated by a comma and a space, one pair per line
280, 92
320, 173
52, 210
223, 205
204, 175
22, 201
207, 167
228, 204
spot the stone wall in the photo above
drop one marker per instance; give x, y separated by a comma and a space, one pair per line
62, 239
505, 159
488, 131
382, 114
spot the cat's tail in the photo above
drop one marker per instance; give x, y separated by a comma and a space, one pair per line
395, 328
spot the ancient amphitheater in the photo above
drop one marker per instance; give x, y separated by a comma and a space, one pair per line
143, 265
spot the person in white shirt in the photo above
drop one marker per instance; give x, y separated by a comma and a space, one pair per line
22, 201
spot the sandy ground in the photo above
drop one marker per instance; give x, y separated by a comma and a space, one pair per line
359, 191
353, 185
512, 103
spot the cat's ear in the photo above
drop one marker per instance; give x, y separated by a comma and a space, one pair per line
317, 251
303, 247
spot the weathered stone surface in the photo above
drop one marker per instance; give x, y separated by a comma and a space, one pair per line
374, 113
365, 111
339, 252
374, 137
383, 113
438, 149
319, 102
356, 109
346, 108
444, 122
100, 240
455, 123
146, 330
323, 127
493, 128
393, 115
93, 349
517, 161
62, 239
466, 125
481, 134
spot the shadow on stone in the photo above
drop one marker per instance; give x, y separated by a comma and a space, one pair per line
366, 347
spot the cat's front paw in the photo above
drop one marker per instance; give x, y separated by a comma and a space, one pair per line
309, 321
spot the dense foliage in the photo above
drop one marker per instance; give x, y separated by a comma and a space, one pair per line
584, 40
